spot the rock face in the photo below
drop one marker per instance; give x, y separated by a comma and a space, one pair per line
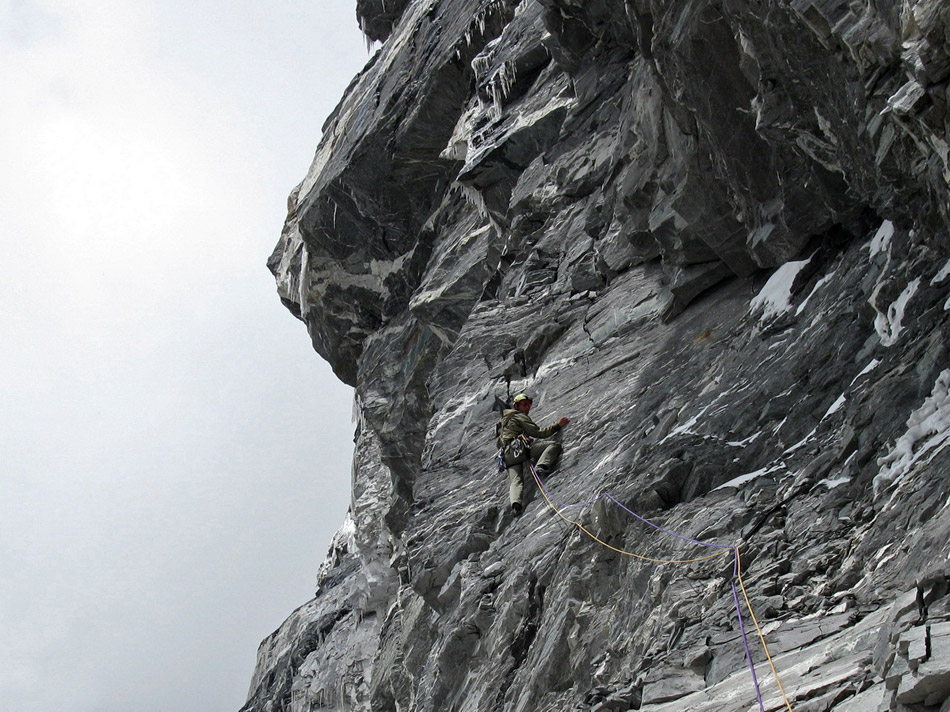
713, 234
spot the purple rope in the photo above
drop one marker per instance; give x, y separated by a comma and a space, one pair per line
735, 568
607, 495
665, 531
745, 644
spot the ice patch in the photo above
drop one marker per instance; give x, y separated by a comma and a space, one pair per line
775, 297
888, 326
928, 432
881, 242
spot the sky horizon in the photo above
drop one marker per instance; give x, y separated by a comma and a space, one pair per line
176, 457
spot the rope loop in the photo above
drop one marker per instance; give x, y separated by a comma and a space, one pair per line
559, 509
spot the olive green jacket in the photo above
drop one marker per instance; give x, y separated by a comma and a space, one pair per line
515, 423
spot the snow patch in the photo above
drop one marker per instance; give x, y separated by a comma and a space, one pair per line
743, 443
462, 407
686, 428
928, 432
343, 541
606, 460
821, 283
939, 277
881, 242
743, 479
867, 369
837, 482
836, 406
347, 532
801, 442
942, 274
775, 297
888, 326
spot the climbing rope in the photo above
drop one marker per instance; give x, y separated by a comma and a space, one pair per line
758, 629
745, 644
559, 508
560, 512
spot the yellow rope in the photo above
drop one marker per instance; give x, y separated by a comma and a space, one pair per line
613, 548
758, 629
735, 549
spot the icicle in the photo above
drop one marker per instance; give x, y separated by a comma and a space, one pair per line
477, 200
370, 42
303, 280
507, 75
480, 65
496, 99
479, 23
500, 86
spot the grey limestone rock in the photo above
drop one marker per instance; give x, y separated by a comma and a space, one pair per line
714, 234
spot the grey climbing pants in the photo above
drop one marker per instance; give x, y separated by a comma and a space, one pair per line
544, 453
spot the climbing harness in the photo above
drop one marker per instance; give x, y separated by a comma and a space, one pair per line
559, 508
516, 452
519, 450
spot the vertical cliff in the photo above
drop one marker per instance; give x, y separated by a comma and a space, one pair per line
714, 233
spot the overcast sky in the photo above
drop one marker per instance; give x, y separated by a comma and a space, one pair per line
174, 457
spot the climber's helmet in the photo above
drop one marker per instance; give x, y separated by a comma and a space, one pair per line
521, 398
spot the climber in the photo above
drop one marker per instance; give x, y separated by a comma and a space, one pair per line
515, 440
